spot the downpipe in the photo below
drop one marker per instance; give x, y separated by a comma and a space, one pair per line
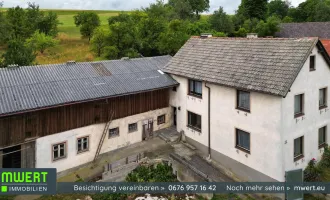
209, 120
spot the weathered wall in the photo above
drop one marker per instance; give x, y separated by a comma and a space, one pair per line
17, 128
309, 83
44, 144
263, 124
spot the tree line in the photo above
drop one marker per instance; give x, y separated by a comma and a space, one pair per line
161, 28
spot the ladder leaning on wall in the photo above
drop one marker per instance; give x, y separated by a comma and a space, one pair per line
106, 127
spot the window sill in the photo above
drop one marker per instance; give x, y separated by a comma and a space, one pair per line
113, 136
57, 159
323, 145
83, 151
298, 158
243, 109
160, 123
299, 115
322, 107
194, 128
243, 149
195, 95
311, 70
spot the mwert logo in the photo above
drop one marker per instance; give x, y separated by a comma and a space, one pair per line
28, 181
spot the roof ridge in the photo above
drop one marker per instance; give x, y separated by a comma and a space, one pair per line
87, 62
259, 38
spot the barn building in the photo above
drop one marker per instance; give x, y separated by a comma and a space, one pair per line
65, 115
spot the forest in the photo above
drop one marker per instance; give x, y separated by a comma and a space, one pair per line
26, 34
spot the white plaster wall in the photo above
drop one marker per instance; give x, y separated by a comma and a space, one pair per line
263, 124
309, 83
44, 144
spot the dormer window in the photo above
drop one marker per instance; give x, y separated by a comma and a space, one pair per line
312, 63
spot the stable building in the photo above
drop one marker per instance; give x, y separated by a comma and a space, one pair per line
65, 115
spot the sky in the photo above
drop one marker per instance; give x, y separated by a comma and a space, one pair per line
229, 5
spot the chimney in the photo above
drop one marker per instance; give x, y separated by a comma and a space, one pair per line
206, 35
71, 62
252, 35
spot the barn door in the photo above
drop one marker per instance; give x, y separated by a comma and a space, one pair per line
294, 176
28, 155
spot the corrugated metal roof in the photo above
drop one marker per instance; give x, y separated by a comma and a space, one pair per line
33, 87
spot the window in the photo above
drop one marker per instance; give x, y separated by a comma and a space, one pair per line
311, 63
243, 100
59, 151
298, 148
114, 132
299, 105
195, 88
132, 127
82, 144
194, 121
161, 119
323, 98
243, 140
322, 136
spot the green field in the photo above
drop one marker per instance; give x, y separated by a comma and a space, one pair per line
72, 46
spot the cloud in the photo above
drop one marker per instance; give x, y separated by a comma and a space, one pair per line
229, 5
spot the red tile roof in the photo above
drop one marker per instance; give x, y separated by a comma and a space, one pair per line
326, 44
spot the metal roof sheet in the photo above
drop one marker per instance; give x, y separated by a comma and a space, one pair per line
33, 87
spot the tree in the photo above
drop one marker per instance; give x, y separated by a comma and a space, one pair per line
40, 42
199, 6
250, 25
287, 19
221, 22
173, 39
19, 54
241, 32
49, 24
199, 27
268, 28
182, 8
253, 9
16, 19
99, 40
110, 52
150, 30
33, 16
323, 12
277, 7
4, 27
88, 22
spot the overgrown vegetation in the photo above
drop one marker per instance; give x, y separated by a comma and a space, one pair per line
161, 28
319, 171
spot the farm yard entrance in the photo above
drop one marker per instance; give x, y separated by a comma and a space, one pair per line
147, 129
20, 156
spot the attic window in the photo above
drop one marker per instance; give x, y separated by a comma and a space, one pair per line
100, 69
312, 63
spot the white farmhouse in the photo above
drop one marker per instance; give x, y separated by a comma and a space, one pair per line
257, 106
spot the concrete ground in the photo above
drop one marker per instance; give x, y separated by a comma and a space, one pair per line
167, 143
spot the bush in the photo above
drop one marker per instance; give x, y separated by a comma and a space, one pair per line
312, 172
325, 160
158, 173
